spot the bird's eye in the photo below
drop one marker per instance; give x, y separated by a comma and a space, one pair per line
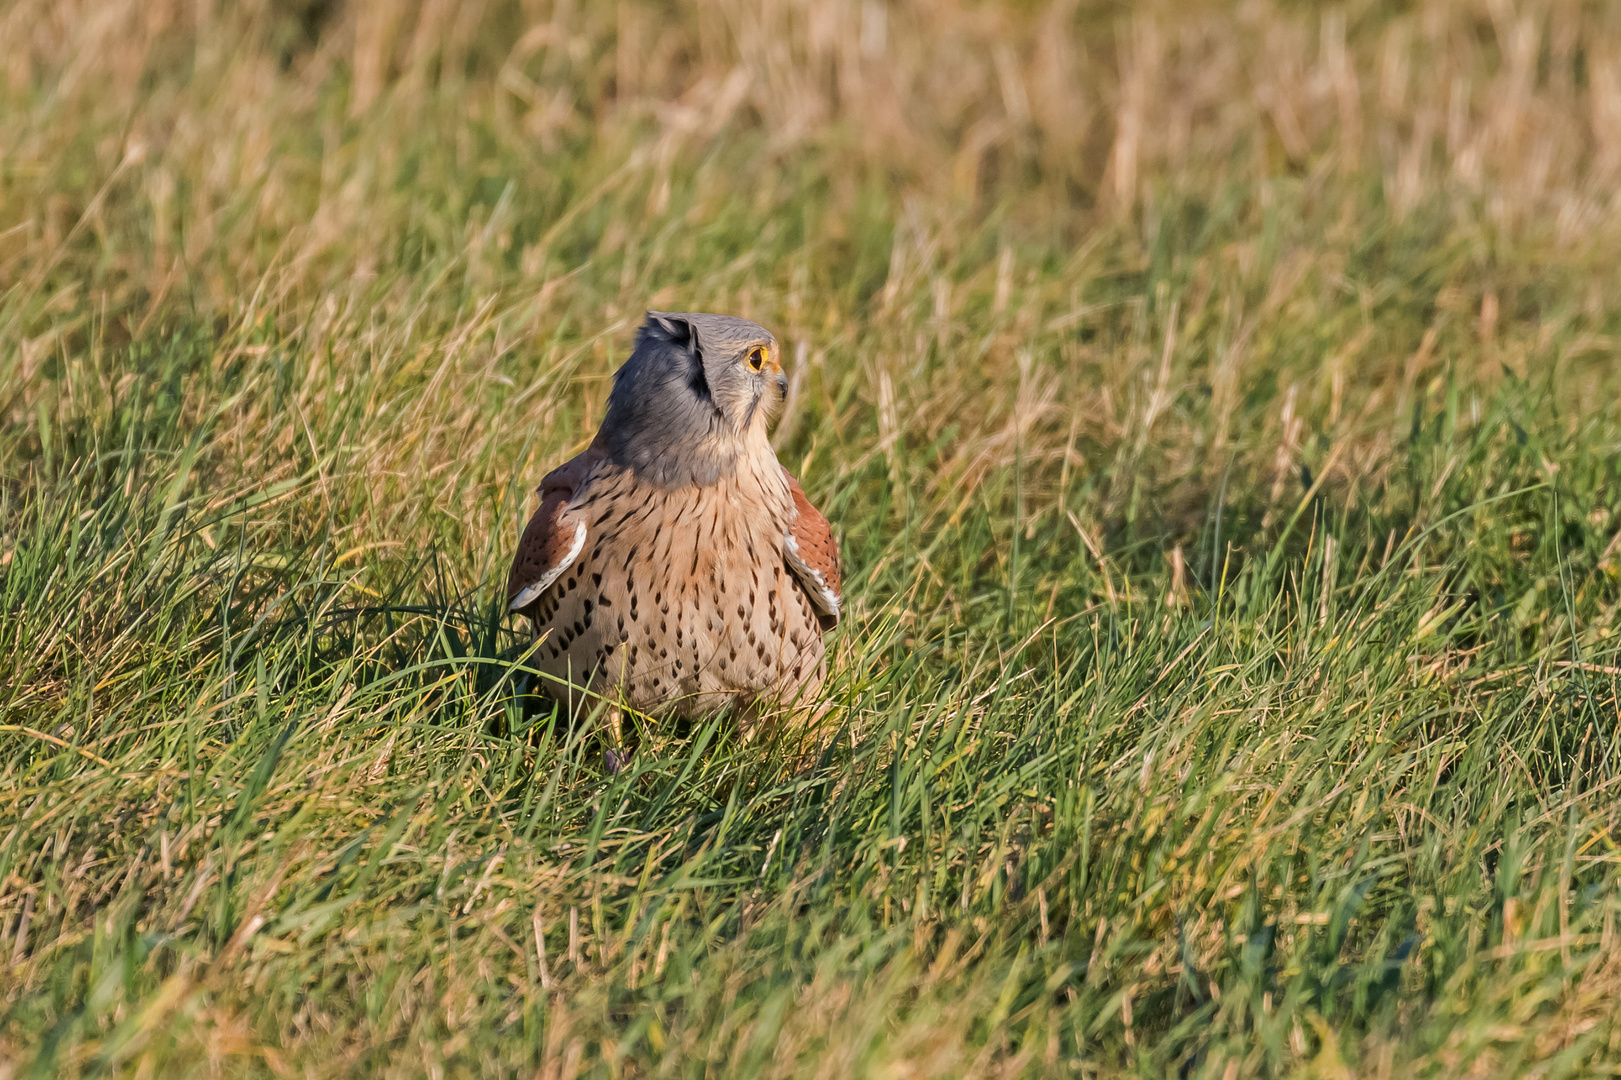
756, 358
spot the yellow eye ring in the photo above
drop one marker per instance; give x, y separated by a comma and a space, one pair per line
756, 359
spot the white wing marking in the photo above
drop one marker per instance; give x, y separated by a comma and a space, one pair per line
531, 592
825, 599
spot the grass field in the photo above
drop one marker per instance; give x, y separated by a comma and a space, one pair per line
1220, 406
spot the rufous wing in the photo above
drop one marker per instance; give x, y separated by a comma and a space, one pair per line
554, 537
813, 555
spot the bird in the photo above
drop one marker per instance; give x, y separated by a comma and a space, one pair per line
675, 567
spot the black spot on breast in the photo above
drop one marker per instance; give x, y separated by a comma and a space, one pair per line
588, 606
596, 579
578, 629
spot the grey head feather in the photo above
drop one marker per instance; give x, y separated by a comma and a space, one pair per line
685, 403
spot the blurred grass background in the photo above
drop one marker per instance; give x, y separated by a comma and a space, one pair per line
1218, 404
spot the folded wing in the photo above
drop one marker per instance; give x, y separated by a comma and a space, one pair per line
554, 537
813, 555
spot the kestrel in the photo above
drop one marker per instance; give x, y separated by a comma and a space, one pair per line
675, 566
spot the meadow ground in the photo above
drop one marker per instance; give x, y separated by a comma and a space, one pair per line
1220, 406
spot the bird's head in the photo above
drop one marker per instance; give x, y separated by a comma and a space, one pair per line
695, 395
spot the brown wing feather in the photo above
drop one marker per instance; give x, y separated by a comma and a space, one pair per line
553, 539
813, 553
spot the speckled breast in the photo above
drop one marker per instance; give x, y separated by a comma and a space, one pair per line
681, 602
